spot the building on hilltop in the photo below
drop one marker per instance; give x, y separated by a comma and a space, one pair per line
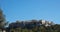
46, 23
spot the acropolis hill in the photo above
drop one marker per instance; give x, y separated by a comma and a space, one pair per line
28, 26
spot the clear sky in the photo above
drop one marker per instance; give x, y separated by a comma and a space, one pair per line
31, 9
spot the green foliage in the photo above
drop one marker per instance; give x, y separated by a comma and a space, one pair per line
2, 19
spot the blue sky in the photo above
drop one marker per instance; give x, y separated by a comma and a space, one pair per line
31, 9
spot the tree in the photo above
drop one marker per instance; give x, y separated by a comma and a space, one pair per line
2, 19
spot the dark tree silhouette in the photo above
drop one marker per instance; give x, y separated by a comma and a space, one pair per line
2, 19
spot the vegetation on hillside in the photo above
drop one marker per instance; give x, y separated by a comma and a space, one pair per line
33, 26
